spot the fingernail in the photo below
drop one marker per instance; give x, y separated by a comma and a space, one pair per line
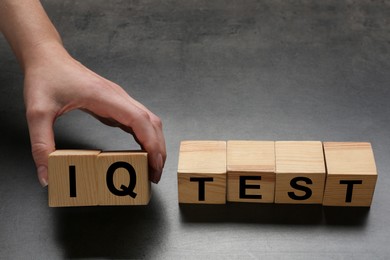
158, 170
160, 162
42, 172
43, 182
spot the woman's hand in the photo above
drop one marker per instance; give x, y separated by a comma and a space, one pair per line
55, 83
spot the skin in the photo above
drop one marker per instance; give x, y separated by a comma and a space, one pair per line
55, 83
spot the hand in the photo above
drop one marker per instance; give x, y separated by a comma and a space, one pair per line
55, 83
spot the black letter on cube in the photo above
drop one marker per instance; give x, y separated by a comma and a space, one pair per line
350, 183
201, 181
129, 190
295, 185
244, 187
72, 181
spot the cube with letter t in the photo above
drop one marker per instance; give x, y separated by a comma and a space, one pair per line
202, 172
352, 174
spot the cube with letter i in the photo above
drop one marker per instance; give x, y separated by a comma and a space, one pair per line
72, 178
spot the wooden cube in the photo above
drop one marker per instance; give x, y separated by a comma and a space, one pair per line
202, 172
352, 174
251, 171
300, 172
72, 178
123, 178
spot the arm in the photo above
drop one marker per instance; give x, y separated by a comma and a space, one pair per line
55, 83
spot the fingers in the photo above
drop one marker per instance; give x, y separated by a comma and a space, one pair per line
40, 124
150, 136
147, 127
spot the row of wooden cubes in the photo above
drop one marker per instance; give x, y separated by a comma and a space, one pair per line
300, 172
92, 177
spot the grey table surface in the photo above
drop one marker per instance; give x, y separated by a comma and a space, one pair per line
212, 70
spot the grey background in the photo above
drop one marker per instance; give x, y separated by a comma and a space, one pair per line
262, 70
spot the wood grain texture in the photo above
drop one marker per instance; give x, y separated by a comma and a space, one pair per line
121, 176
246, 162
349, 161
299, 159
202, 159
214, 191
85, 178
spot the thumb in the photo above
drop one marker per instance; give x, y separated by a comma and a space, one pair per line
40, 125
